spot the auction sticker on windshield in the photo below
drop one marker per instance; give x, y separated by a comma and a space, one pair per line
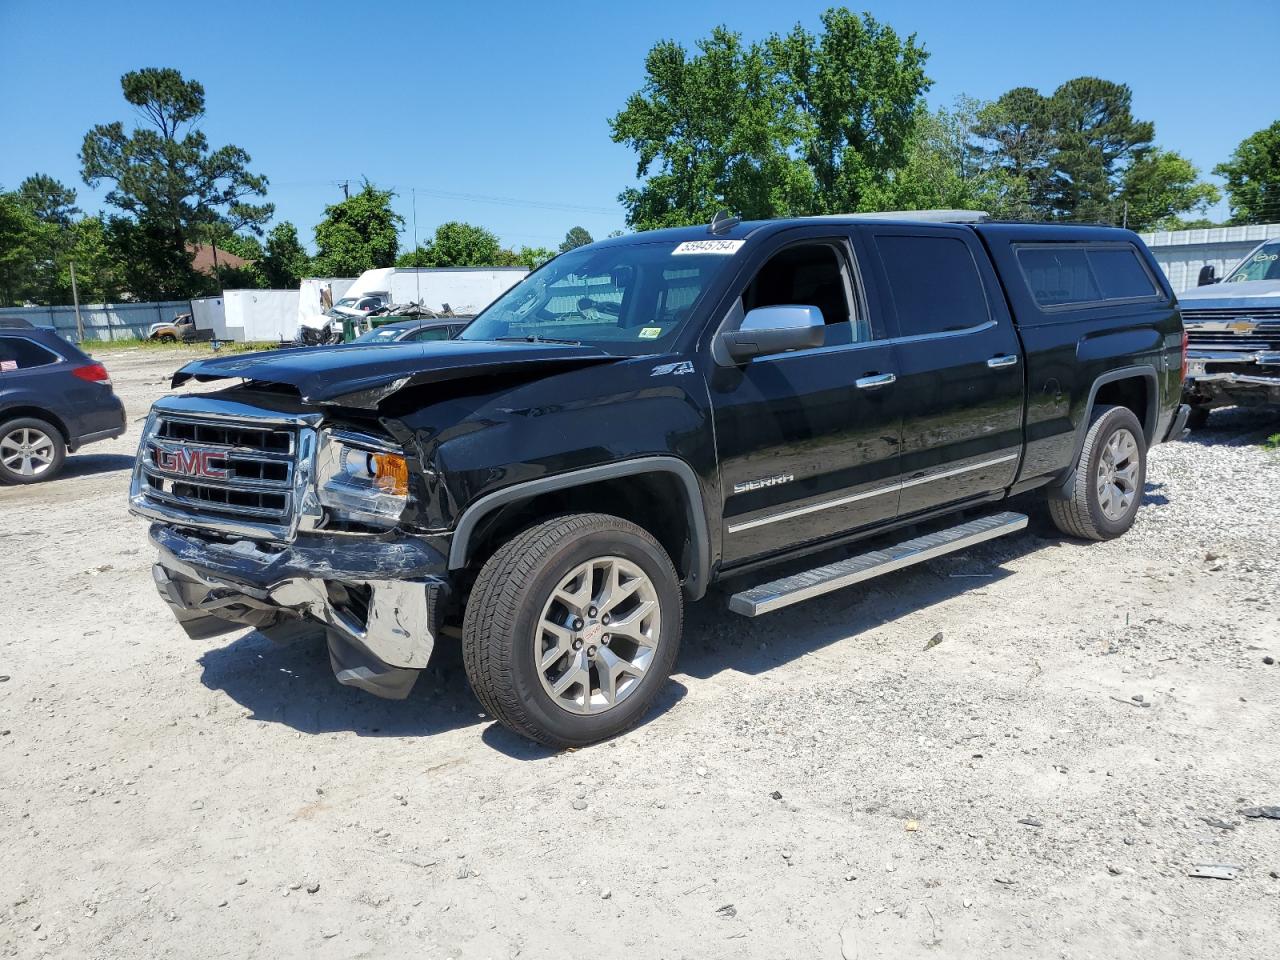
709, 246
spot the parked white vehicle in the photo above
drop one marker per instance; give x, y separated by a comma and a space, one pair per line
464, 291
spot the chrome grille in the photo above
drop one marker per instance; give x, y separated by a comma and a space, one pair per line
220, 469
1212, 328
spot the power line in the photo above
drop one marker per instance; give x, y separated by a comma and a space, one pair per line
516, 202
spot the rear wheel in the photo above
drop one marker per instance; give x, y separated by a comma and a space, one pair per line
1110, 478
31, 450
572, 629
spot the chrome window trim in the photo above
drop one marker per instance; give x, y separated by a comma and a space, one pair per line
866, 495
887, 341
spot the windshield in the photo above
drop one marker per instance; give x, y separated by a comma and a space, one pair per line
628, 299
1262, 264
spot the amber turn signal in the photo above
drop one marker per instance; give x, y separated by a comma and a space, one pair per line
391, 474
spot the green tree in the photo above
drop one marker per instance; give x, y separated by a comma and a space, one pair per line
285, 262
946, 168
1016, 135
710, 131
50, 200
531, 257
797, 124
456, 244
168, 181
1160, 187
19, 242
856, 88
1253, 177
576, 237
99, 272
1095, 139
360, 233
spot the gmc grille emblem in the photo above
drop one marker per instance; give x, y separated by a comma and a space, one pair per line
207, 464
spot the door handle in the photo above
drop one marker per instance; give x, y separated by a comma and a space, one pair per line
1009, 360
875, 380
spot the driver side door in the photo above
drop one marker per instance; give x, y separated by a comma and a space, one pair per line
807, 440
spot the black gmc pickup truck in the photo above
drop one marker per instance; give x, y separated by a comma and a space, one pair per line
645, 416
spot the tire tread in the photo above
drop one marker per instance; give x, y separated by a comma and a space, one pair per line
494, 606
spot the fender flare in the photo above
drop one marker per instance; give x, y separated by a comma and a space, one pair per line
1150, 420
695, 585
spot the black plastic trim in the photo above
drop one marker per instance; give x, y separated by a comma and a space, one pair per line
695, 584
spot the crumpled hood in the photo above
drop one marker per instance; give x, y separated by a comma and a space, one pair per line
364, 375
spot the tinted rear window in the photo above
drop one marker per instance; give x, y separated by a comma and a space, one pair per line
1120, 274
1078, 273
935, 284
19, 353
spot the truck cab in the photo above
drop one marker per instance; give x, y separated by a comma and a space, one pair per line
783, 407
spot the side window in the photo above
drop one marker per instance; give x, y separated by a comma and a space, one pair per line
19, 353
935, 284
1058, 276
430, 333
1119, 273
812, 275
1061, 274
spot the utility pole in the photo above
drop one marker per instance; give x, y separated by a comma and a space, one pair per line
1125, 222
75, 298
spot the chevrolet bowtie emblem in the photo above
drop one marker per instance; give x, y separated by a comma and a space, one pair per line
1242, 327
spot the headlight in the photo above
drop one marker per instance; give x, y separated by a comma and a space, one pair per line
362, 479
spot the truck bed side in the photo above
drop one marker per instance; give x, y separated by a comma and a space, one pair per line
1083, 354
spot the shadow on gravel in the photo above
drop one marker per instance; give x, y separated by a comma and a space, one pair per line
89, 464
1236, 427
293, 685
716, 639
1150, 498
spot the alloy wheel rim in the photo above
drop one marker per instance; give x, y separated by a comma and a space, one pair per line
1117, 479
598, 635
27, 451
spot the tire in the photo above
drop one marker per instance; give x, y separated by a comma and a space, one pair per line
167, 338
31, 451
516, 606
1198, 418
1095, 512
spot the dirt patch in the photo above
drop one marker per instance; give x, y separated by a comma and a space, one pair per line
1039, 782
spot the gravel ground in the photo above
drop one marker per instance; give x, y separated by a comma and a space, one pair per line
815, 783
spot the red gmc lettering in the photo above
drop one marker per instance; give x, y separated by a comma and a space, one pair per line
191, 463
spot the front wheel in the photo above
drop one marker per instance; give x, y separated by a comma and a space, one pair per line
572, 629
1110, 478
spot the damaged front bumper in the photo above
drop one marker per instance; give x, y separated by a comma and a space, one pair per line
379, 599
1219, 378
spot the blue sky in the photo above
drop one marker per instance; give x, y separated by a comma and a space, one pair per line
465, 101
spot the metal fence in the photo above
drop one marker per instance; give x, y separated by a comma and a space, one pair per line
102, 321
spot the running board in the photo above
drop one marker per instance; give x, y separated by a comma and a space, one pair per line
812, 583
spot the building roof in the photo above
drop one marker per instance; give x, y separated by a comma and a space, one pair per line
202, 258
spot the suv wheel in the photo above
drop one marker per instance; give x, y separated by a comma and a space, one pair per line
572, 629
1110, 478
31, 450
